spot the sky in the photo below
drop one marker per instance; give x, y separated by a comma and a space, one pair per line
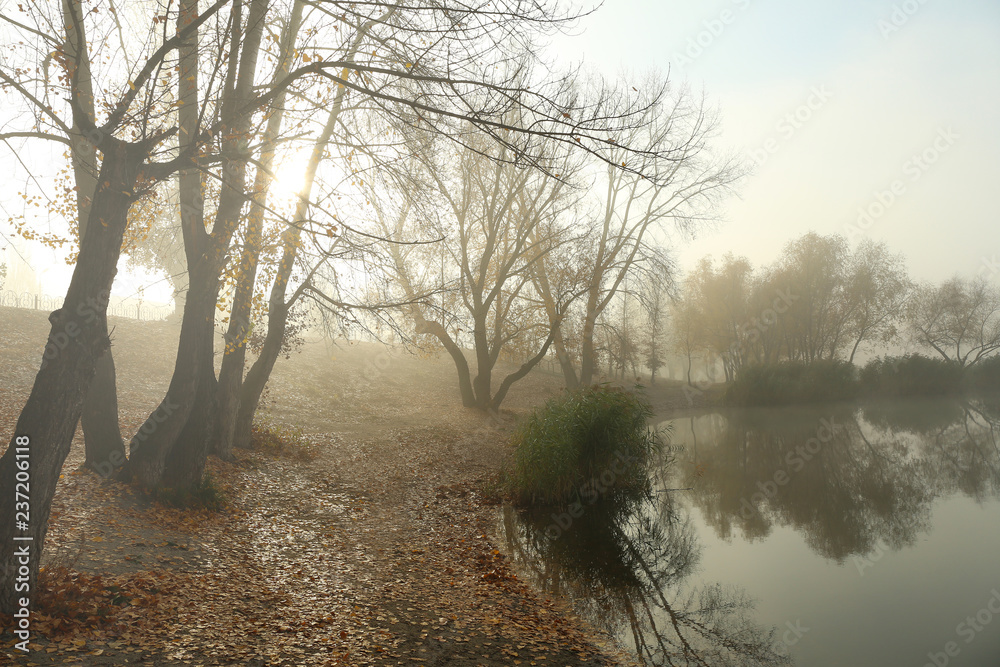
867, 119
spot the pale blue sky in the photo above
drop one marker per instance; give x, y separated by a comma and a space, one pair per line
893, 93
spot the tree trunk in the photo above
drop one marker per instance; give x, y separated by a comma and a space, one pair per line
525, 368
234, 356
175, 451
566, 363
105, 449
185, 463
152, 444
77, 339
587, 355
260, 371
482, 383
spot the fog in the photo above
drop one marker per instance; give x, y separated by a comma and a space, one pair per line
362, 332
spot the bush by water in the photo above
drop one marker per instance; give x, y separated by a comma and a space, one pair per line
597, 433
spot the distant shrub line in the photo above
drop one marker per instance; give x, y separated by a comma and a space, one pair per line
790, 382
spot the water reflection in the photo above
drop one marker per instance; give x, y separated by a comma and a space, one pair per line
624, 564
851, 480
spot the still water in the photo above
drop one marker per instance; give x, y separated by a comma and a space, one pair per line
825, 536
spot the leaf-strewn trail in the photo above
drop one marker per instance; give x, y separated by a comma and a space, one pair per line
367, 546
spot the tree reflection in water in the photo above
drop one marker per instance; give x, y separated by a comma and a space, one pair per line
870, 486
623, 563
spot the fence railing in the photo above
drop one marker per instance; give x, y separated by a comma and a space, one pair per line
130, 308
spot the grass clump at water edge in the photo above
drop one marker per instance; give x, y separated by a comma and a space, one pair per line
582, 438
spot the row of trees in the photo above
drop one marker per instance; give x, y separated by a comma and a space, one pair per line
446, 177
524, 262
823, 299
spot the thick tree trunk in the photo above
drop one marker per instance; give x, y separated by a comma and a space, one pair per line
77, 339
105, 449
152, 444
175, 450
565, 363
482, 383
185, 464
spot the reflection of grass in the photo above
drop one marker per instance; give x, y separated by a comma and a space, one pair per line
282, 441
595, 436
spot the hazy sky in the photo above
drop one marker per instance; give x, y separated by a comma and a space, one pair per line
887, 107
903, 94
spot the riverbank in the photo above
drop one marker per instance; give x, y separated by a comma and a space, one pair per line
369, 546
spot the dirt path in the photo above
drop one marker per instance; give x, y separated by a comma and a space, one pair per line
377, 551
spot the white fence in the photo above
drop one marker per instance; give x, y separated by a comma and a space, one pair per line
131, 308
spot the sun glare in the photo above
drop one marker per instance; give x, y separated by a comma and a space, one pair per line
290, 175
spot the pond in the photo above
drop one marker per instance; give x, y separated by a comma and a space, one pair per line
821, 536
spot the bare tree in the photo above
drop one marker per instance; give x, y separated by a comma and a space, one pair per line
498, 224
677, 183
959, 319
79, 337
655, 299
879, 288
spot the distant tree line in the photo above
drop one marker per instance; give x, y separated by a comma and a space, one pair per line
823, 301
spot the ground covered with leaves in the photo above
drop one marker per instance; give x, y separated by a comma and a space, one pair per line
354, 534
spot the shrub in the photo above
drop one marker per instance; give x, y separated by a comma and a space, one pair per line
911, 375
576, 439
793, 382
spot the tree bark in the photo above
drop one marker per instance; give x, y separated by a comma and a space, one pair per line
152, 444
77, 339
105, 449
234, 356
175, 450
256, 379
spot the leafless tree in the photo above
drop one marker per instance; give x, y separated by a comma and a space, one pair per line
959, 319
